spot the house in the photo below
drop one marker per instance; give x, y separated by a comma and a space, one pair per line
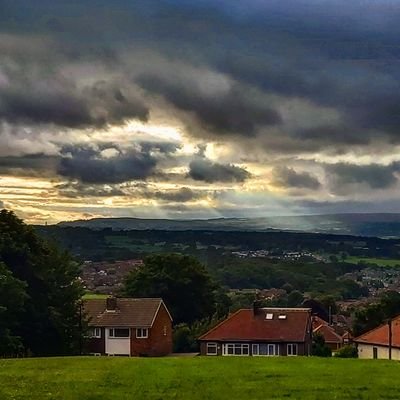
261, 332
382, 342
129, 327
333, 340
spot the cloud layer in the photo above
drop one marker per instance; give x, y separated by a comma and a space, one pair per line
230, 108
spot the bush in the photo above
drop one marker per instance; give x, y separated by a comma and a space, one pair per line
347, 352
319, 348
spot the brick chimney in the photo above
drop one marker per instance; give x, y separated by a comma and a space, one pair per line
111, 303
256, 306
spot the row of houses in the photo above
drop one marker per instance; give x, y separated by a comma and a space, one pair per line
143, 327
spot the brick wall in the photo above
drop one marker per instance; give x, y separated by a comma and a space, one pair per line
159, 341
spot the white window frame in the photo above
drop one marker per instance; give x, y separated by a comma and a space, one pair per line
229, 349
94, 333
142, 333
290, 348
214, 346
111, 333
97, 333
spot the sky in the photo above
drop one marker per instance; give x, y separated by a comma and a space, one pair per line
198, 109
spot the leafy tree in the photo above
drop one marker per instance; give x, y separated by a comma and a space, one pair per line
294, 299
319, 348
12, 299
375, 314
46, 278
181, 281
186, 336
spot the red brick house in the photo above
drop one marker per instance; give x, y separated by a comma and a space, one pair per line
129, 327
261, 332
332, 339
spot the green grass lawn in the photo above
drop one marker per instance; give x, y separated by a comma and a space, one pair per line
90, 296
383, 262
90, 378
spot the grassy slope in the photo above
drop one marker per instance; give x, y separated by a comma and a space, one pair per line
198, 378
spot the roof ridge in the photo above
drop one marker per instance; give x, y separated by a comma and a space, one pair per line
223, 322
330, 329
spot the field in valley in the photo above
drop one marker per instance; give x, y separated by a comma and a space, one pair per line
90, 378
382, 262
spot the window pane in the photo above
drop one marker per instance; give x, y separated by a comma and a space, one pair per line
263, 350
119, 332
271, 350
246, 349
255, 349
211, 348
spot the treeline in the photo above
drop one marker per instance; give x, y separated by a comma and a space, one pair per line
107, 244
39, 294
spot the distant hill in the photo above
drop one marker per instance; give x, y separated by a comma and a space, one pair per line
381, 225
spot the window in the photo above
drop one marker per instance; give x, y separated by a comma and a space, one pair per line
212, 349
292, 349
269, 316
235, 349
282, 316
142, 333
165, 330
264, 349
94, 333
119, 333
255, 349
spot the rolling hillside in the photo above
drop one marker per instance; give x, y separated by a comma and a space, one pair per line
381, 225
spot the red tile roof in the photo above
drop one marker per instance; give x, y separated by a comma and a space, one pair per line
129, 312
328, 333
322, 327
380, 335
245, 325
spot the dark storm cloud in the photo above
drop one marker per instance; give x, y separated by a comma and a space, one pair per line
289, 178
207, 171
89, 165
232, 110
55, 100
374, 176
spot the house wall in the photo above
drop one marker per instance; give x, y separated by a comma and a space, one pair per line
366, 351
97, 345
159, 341
334, 345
